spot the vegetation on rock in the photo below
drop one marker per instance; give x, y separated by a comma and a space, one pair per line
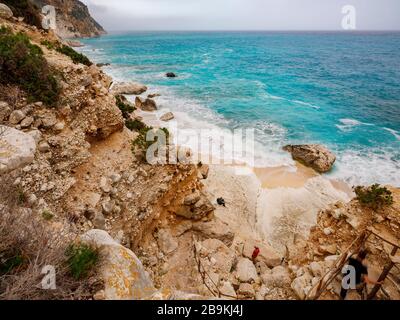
125, 107
374, 197
81, 259
76, 57
23, 64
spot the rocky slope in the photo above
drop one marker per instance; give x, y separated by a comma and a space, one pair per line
73, 19
72, 169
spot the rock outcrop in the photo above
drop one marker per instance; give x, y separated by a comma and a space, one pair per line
123, 273
128, 88
313, 155
5, 11
73, 19
17, 149
146, 105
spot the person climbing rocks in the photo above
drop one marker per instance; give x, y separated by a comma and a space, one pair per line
221, 202
256, 252
359, 266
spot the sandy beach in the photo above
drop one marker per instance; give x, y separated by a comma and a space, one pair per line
274, 204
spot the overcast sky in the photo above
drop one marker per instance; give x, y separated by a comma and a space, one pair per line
242, 14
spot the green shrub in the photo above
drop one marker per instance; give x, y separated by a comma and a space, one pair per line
141, 143
76, 57
134, 125
21, 197
47, 215
23, 64
10, 261
49, 45
123, 105
81, 259
374, 197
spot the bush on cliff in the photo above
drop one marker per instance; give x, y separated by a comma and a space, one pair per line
374, 197
23, 64
123, 105
25, 9
81, 260
76, 57
29, 247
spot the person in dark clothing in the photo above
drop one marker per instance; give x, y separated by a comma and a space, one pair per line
361, 273
221, 202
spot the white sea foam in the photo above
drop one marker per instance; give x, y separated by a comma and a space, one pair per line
395, 133
354, 167
366, 167
305, 104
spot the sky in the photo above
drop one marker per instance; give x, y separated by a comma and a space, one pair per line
119, 15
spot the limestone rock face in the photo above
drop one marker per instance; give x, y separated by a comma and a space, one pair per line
302, 285
315, 156
17, 149
215, 229
128, 88
73, 19
197, 210
5, 12
124, 275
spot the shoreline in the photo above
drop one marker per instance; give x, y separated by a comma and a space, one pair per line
277, 203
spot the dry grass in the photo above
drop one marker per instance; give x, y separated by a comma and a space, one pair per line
11, 94
26, 246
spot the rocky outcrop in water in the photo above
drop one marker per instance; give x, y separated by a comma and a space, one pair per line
315, 156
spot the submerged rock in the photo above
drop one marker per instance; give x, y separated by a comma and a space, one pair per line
315, 156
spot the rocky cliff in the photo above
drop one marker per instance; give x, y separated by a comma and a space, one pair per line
73, 19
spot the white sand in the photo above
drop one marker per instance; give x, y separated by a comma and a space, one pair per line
274, 204
276, 214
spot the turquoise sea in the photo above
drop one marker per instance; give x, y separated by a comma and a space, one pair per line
338, 89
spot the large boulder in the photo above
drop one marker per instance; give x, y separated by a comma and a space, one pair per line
17, 149
315, 156
215, 229
267, 254
5, 12
246, 271
167, 117
196, 210
128, 88
124, 275
214, 250
146, 105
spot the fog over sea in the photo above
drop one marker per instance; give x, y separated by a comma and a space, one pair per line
338, 89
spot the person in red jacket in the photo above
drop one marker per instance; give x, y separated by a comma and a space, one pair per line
256, 252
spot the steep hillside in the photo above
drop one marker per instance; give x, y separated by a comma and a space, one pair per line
73, 19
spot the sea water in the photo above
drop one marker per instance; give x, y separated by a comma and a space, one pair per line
338, 89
